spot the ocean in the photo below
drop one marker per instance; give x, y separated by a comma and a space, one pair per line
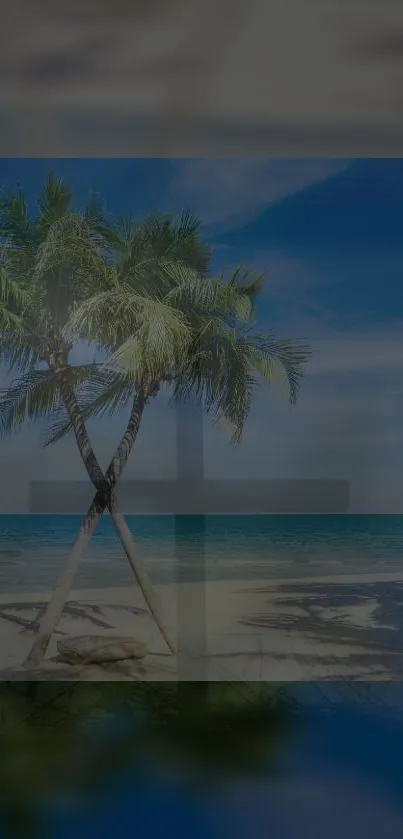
34, 547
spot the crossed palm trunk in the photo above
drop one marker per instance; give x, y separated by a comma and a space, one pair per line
104, 498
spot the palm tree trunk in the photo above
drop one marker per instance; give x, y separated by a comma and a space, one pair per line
101, 501
87, 453
113, 474
141, 575
57, 602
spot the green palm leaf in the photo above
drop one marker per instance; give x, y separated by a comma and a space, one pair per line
54, 203
159, 236
153, 352
224, 297
97, 219
106, 394
279, 359
36, 395
20, 350
31, 397
16, 227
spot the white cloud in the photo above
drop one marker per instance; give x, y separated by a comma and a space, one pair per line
372, 352
229, 192
285, 274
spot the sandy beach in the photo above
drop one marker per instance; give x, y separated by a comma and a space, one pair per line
341, 627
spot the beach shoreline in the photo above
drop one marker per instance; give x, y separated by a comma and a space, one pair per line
96, 593
308, 629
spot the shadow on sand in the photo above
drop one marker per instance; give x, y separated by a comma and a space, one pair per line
305, 612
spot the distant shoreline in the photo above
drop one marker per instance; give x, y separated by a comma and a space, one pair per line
251, 583
106, 514
103, 575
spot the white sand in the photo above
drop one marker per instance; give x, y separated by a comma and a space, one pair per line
216, 643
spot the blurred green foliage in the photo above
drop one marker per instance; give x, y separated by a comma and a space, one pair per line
61, 741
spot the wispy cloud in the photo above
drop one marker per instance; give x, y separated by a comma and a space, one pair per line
227, 193
377, 352
285, 274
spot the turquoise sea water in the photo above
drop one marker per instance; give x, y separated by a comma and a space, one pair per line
33, 547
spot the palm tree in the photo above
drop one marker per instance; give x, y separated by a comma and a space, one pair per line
152, 254
50, 263
168, 324
193, 334
164, 322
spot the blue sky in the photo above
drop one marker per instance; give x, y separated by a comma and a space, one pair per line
329, 235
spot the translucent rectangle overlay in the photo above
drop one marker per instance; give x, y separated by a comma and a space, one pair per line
198, 497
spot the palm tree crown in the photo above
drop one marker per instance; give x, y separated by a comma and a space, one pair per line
164, 322
50, 261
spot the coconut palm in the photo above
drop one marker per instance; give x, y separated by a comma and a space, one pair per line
166, 323
154, 254
50, 263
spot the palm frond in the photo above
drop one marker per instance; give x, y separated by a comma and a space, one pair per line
57, 431
210, 296
13, 300
247, 285
11, 292
107, 315
124, 227
20, 350
15, 224
68, 240
69, 265
283, 360
160, 341
218, 373
162, 237
31, 397
53, 203
96, 217
103, 396
188, 247
225, 368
